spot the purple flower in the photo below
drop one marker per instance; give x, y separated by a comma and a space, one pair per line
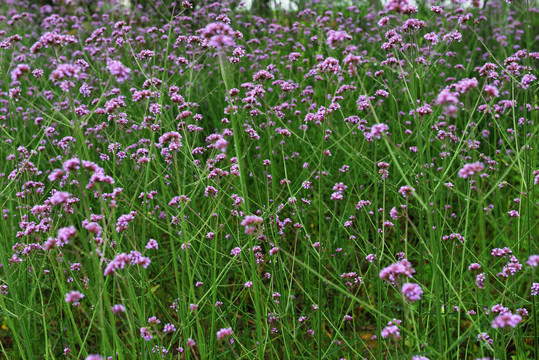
92, 227
506, 319
52, 39
123, 259
533, 260
169, 328
117, 308
499, 252
123, 221
412, 292
224, 332
424, 110
250, 223
447, 97
383, 21
406, 191
173, 138
145, 334
470, 170
511, 268
527, 80
210, 191
219, 35
330, 65
484, 337
491, 90
377, 130
74, 297
453, 36
480, 281
535, 289
465, 85
19, 71
64, 71
152, 244
118, 70
391, 331
155, 109
453, 236
394, 271
431, 38
95, 357
64, 235
59, 197
335, 37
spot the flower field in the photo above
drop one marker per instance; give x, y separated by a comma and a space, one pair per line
202, 180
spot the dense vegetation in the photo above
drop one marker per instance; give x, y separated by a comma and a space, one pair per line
196, 181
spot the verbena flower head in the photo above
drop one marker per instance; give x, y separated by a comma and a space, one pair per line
94, 357
533, 261
394, 271
117, 308
118, 70
224, 332
471, 169
392, 330
336, 37
412, 292
250, 222
218, 35
507, 319
74, 297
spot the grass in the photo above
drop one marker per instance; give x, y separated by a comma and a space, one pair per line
301, 152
